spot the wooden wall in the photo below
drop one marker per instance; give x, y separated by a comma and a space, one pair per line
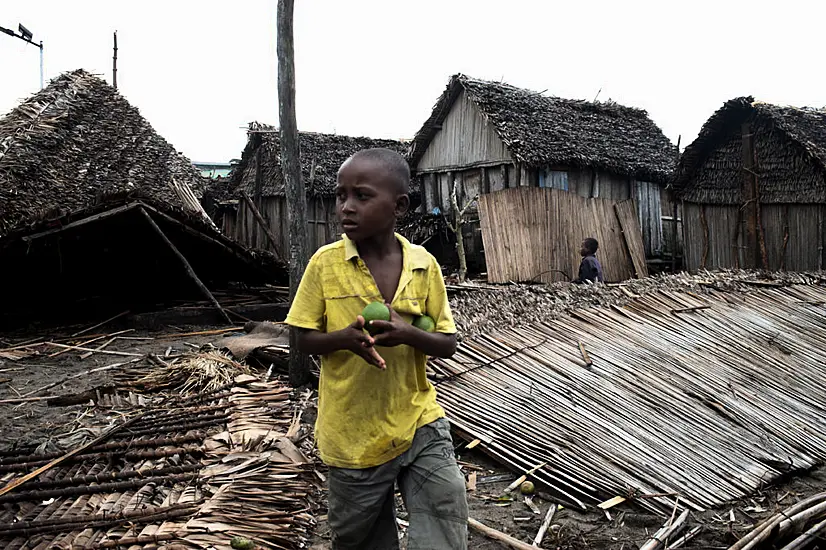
466, 138
712, 239
531, 234
322, 226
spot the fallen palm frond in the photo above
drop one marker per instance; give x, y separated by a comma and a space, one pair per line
221, 462
710, 405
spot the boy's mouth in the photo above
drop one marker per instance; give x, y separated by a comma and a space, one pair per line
349, 224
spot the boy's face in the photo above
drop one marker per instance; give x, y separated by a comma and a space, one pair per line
584, 250
368, 200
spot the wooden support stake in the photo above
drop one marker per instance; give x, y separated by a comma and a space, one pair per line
187, 266
30, 476
263, 224
544, 527
499, 536
107, 321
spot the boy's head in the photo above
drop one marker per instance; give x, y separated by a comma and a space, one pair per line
589, 247
372, 192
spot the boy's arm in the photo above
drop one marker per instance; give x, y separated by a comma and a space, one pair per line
353, 338
307, 317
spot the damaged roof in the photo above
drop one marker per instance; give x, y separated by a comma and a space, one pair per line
75, 144
542, 130
790, 154
321, 157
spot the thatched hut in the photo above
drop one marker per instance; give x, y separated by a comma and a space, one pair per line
92, 203
753, 186
488, 136
258, 176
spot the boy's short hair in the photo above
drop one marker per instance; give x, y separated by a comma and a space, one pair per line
591, 244
390, 160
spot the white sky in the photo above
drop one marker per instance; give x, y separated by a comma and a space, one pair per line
200, 70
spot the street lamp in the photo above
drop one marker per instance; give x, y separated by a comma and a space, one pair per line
26, 36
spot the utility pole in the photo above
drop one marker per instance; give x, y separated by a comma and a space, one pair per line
115, 63
26, 36
291, 172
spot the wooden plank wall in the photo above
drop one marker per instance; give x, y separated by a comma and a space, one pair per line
323, 227
709, 231
465, 138
534, 233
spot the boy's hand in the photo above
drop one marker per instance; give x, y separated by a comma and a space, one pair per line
394, 332
361, 343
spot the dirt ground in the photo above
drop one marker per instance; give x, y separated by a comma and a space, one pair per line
35, 423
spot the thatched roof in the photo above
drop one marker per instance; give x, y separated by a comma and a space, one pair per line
540, 130
76, 143
321, 157
789, 147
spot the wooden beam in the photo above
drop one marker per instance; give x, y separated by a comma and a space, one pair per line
263, 224
84, 221
749, 197
187, 266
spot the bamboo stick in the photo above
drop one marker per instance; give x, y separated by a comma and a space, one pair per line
28, 477
498, 535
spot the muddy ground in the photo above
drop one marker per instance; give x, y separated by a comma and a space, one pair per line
33, 423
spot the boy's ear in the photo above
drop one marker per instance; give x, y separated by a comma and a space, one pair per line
402, 205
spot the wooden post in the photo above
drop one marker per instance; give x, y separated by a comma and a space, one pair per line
115, 63
674, 216
260, 219
749, 198
291, 172
187, 266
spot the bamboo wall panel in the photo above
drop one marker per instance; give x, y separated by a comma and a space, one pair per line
466, 137
533, 233
632, 236
649, 211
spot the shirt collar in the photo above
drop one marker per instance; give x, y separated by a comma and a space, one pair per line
414, 256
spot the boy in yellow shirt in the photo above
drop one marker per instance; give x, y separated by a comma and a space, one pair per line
378, 420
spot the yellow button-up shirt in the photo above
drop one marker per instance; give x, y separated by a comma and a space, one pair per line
367, 416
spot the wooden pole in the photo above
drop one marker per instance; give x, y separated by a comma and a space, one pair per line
749, 198
187, 266
674, 213
260, 219
499, 536
291, 172
115, 63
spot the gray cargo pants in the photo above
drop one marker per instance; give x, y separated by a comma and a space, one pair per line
362, 507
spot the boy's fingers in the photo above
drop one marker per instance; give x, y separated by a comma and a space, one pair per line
372, 356
381, 325
358, 323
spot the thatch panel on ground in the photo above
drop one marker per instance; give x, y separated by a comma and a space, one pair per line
533, 234
686, 390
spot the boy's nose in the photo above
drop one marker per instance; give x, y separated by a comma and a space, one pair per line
347, 206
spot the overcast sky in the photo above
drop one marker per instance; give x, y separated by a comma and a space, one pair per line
199, 71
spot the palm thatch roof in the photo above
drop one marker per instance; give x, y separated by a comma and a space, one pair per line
789, 150
540, 130
321, 157
78, 143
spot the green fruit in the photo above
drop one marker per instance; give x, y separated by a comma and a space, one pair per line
375, 311
527, 488
241, 543
425, 323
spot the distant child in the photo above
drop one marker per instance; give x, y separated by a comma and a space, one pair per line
378, 420
590, 268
